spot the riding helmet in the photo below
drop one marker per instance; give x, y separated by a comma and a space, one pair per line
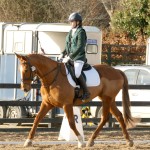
75, 17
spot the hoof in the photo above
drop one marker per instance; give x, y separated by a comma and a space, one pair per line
81, 145
130, 143
90, 143
27, 143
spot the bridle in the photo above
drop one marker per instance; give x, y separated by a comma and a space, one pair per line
33, 74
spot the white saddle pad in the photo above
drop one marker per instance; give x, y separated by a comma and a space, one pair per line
92, 78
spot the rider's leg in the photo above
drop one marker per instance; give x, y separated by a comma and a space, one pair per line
78, 65
86, 93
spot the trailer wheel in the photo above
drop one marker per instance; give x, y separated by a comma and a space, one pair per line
16, 112
2, 112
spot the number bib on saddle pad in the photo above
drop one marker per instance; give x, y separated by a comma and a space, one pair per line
92, 77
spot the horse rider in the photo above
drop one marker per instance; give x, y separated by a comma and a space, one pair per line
75, 50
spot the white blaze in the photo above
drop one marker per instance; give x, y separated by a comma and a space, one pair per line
21, 69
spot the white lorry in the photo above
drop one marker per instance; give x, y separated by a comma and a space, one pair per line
26, 38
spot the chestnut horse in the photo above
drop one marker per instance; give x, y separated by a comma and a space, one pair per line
57, 92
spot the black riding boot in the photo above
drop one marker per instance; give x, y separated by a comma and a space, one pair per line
86, 93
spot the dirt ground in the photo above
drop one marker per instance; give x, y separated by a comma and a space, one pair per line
109, 141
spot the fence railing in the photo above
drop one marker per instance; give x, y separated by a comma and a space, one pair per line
59, 120
114, 54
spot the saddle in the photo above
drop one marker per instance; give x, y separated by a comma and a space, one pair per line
70, 67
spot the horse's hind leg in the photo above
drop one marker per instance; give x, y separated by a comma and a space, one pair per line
44, 108
70, 116
118, 115
104, 119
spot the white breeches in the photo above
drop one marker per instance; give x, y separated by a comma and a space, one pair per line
78, 65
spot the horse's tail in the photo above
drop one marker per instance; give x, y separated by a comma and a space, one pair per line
129, 120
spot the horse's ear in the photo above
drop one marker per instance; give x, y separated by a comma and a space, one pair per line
20, 57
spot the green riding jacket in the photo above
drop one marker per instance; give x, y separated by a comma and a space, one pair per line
75, 46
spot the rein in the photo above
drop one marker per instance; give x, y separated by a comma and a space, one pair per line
58, 69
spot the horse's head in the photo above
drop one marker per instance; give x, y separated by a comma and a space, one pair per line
26, 71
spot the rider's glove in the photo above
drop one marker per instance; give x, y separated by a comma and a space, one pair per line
60, 57
66, 59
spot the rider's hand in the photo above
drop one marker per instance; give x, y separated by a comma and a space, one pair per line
60, 57
66, 59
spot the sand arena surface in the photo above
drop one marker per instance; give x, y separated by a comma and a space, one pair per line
107, 140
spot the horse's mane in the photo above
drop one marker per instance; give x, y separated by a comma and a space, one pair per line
43, 59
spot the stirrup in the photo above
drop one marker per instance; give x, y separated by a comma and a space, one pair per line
85, 96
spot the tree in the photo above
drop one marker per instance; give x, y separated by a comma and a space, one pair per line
27, 10
110, 6
133, 17
94, 12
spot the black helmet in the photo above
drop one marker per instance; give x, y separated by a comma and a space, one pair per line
75, 17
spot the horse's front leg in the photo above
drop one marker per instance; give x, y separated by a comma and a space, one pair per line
70, 116
44, 108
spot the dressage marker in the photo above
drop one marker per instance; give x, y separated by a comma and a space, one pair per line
65, 131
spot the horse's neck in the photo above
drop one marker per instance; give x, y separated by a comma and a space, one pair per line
43, 65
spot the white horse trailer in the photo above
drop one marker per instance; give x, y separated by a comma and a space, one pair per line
28, 38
